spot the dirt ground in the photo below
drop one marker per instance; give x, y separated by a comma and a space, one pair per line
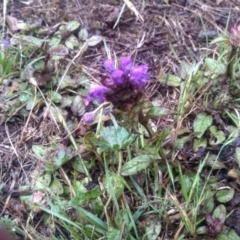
162, 36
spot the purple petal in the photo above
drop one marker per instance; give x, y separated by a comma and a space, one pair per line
88, 117
125, 64
6, 43
117, 77
98, 93
109, 65
139, 76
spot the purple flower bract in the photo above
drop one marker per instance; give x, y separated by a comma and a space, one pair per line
117, 77
125, 64
138, 76
109, 65
98, 93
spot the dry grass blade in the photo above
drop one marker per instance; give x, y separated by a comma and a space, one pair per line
133, 8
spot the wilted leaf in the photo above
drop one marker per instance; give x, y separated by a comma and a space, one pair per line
78, 107
186, 69
136, 164
94, 40
12, 23
170, 80
201, 123
11, 89
58, 50
83, 34
225, 195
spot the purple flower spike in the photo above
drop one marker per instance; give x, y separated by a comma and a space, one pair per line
109, 65
6, 43
117, 77
98, 93
125, 64
139, 76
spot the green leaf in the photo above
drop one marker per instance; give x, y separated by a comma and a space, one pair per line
229, 234
197, 143
220, 212
114, 138
113, 233
44, 181
214, 163
153, 227
56, 40
215, 67
237, 151
28, 41
72, 42
117, 183
159, 112
201, 123
136, 164
56, 187
55, 96
219, 136
225, 195
24, 97
72, 26
89, 141
170, 80
80, 165
86, 196
39, 151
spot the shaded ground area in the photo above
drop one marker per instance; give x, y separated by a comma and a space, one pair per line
161, 36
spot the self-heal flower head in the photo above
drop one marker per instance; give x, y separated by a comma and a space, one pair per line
98, 93
139, 76
117, 77
125, 64
109, 65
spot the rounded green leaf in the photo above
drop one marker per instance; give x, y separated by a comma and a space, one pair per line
201, 123
225, 195
136, 164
